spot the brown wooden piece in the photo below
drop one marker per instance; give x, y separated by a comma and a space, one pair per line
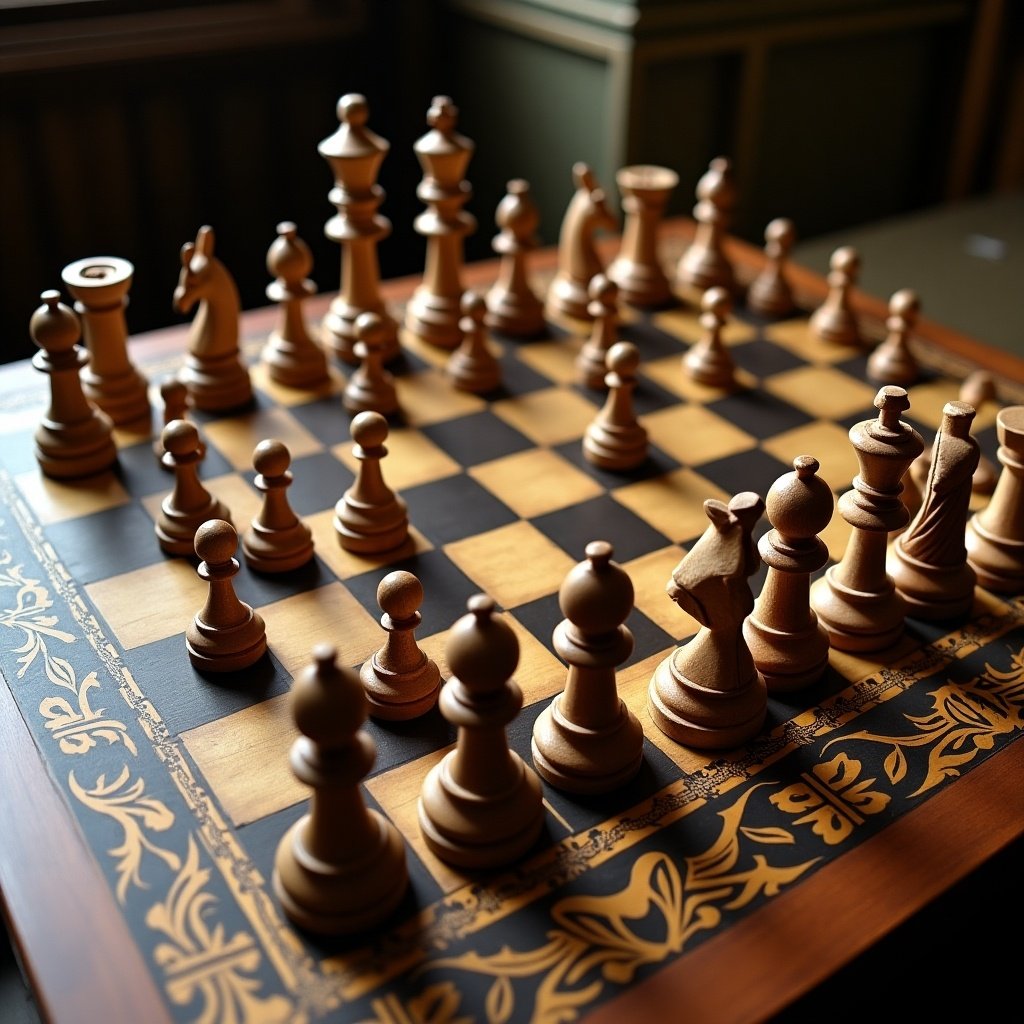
788, 644
586, 740
73, 438
226, 635
979, 389
175, 405
893, 361
480, 806
400, 681
371, 388
615, 439
591, 361
341, 868
770, 294
473, 366
709, 361
834, 321
110, 380
708, 693
704, 264
856, 600
355, 154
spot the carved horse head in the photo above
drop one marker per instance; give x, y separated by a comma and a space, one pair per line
204, 279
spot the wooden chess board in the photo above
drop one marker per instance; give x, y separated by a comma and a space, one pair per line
769, 866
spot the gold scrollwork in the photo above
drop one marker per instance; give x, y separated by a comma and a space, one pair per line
32, 602
76, 731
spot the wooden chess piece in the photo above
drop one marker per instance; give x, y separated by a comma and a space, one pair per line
586, 740
189, 504
473, 366
615, 439
99, 286
481, 806
513, 307
401, 682
978, 389
893, 361
637, 270
355, 154
708, 693
709, 361
995, 534
770, 294
226, 635
788, 644
704, 264
834, 321
578, 259
856, 600
928, 561
216, 378
433, 311
341, 868
277, 540
591, 361
175, 405
291, 355
74, 438
370, 518
371, 388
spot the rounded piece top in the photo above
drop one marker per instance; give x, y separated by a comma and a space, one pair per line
800, 504
597, 594
271, 458
482, 650
623, 358
369, 429
54, 326
399, 594
328, 701
180, 437
216, 541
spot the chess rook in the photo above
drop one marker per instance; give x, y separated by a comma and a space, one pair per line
770, 293
704, 264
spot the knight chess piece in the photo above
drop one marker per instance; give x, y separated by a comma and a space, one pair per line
770, 294
704, 263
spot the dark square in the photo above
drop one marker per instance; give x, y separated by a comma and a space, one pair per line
656, 464
19, 452
141, 473
647, 396
478, 437
988, 440
759, 413
517, 377
652, 341
764, 358
454, 508
261, 588
318, 483
601, 518
325, 418
753, 470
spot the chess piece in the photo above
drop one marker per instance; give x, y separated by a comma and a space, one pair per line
291, 355
637, 270
578, 259
586, 740
341, 868
277, 540
893, 361
513, 307
708, 693
928, 561
788, 644
708, 361
704, 264
433, 312
372, 386
615, 439
480, 806
189, 504
226, 635
355, 154
370, 518
110, 380
978, 389
175, 406
473, 366
770, 294
995, 534
401, 682
591, 361
834, 321
857, 600
74, 438
216, 377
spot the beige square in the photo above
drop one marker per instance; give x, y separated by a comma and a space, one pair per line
539, 674
684, 323
512, 564
281, 394
436, 357
823, 392
345, 564
825, 441
550, 416
795, 334
672, 503
669, 373
429, 397
928, 399
412, 459
692, 434
235, 438
56, 501
650, 575
553, 359
536, 481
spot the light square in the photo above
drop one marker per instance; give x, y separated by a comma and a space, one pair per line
825, 441
535, 482
429, 397
281, 394
346, 564
235, 438
412, 459
928, 399
550, 416
673, 503
56, 501
684, 323
553, 359
669, 373
823, 392
796, 335
692, 434
650, 575
242, 501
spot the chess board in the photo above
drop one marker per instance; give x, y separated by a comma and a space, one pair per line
180, 787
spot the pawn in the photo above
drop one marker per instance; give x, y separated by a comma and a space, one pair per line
401, 682
372, 386
586, 740
189, 504
481, 806
473, 366
978, 389
277, 540
770, 293
291, 355
591, 363
709, 361
834, 320
370, 518
704, 264
341, 868
615, 439
74, 439
226, 635
788, 644
893, 361
175, 401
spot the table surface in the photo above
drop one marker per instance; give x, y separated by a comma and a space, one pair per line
82, 963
